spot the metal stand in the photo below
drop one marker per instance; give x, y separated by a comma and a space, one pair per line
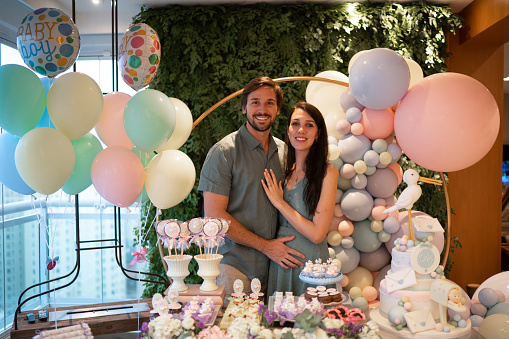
76, 270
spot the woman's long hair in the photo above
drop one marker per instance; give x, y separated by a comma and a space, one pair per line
316, 160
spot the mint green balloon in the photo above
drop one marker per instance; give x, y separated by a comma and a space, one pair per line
85, 149
149, 119
145, 158
22, 99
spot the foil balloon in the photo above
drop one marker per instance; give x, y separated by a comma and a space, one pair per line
48, 41
140, 54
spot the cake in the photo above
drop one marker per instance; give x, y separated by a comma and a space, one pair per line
415, 294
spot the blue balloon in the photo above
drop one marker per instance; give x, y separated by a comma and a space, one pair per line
498, 308
476, 320
379, 78
9, 175
364, 239
46, 120
353, 147
356, 204
488, 297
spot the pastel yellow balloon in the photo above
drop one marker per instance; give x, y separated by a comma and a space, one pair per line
360, 167
183, 126
377, 225
355, 292
169, 178
44, 159
385, 158
334, 238
75, 104
359, 277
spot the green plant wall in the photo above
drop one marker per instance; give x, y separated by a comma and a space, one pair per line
209, 52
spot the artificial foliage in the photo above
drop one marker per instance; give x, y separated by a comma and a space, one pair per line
209, 52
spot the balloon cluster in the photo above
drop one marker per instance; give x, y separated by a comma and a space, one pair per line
208, 233
43, 153
487, 303
370, 124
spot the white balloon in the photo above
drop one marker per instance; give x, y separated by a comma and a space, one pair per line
183, 126
333, 152
330, 123
415, 72
324, 95
169, 178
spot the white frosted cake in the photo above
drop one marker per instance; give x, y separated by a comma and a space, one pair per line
415, 289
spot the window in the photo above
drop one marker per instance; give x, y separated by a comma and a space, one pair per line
24, 237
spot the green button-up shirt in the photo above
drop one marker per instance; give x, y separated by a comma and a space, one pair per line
234, 168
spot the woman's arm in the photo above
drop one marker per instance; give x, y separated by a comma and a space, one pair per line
315, 230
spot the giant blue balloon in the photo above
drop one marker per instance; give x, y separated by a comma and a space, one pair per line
9, 175
379, 78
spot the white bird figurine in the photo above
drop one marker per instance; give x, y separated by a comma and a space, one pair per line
411, 194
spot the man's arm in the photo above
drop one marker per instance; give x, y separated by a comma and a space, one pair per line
215, 206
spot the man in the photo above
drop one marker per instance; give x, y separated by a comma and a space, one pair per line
231, 184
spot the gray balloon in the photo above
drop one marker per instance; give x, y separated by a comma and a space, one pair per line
356, 204
383, 183
352, 147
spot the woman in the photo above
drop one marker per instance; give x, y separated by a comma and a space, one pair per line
306, 202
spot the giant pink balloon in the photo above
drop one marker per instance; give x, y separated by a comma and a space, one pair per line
447, 122
118, 175
110, 127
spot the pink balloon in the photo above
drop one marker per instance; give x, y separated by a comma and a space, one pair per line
378, 123
444, 114
110, 127
398, 170
118, 175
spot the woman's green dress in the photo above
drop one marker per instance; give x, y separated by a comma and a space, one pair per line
281, 279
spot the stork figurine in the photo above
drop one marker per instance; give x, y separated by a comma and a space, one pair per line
411, 194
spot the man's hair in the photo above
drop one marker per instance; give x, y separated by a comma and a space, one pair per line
256, 83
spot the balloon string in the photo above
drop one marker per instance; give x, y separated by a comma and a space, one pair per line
39, 218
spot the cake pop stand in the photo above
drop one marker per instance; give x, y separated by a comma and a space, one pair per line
387, 331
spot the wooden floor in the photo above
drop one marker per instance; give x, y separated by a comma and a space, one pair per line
120, 323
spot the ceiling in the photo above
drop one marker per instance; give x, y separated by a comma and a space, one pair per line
94, 21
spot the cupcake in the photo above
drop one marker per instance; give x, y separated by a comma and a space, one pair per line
324, 298
174, 308
310, 295
335, 296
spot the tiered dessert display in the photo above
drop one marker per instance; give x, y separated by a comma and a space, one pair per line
319, 273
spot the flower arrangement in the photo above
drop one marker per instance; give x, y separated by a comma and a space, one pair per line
307, 325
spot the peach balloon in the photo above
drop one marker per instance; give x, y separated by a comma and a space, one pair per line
345, 228
444, 114
370, 293
378, 123
110, 127
398, 170
118, 175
